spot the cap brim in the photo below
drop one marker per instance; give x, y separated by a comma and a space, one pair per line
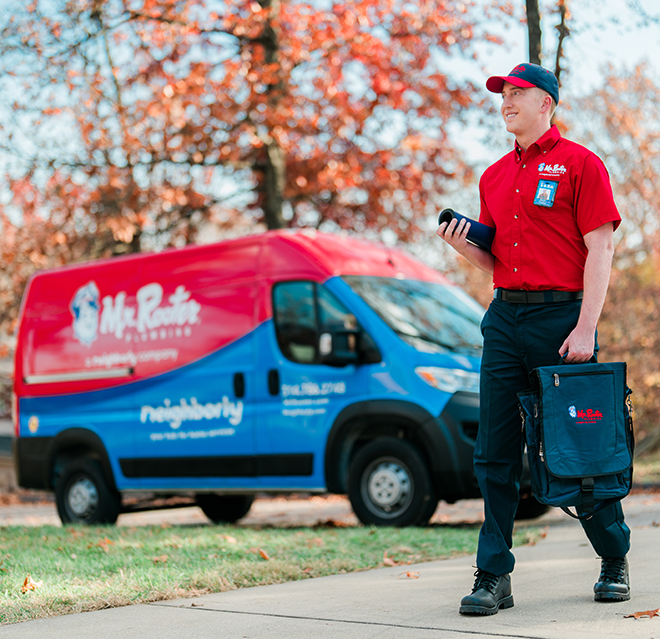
495, 84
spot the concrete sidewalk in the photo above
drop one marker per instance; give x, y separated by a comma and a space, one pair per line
552, 587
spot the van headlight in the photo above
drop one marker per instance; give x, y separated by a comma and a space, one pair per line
449, 380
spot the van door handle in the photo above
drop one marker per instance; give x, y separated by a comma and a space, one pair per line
273, 382
239, 384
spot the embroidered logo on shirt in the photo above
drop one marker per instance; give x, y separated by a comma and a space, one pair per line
556, 169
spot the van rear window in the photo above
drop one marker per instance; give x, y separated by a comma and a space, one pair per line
430, 317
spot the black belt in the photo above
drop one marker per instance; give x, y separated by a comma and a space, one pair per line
536, 297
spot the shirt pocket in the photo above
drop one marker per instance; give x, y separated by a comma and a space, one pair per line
548, 198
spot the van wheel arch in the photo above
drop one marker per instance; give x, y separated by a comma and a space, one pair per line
79, 443
364, 422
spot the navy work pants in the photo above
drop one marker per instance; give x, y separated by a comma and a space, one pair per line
517, 339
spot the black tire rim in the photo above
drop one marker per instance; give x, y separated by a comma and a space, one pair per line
387, 487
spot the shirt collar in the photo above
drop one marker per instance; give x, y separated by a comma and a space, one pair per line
544, 143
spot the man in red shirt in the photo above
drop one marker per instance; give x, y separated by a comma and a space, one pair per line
550, 202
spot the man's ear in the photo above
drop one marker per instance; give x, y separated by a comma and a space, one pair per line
546, 104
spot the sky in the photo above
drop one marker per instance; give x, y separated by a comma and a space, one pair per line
602, 32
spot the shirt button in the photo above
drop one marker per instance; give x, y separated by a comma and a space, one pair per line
515, 216
515, 270
524, 166
517, 190
515, 243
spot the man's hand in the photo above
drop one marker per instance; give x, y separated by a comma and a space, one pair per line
455, 234
579, 345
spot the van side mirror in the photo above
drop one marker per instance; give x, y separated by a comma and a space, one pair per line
338, 347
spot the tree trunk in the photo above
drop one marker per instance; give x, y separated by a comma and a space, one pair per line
534, 31
564, 32
273, 185
274, 167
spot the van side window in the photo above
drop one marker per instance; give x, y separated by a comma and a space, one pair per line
296, 323
304, 310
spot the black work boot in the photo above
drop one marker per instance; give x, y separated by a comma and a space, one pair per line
489, 593
614, 582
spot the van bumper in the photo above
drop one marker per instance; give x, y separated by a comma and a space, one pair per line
31, 461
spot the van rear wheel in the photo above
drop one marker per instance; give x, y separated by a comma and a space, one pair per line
224, 509
389, 484
83, 496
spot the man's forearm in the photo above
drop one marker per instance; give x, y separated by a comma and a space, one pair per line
483, 260
579, 345
597, 269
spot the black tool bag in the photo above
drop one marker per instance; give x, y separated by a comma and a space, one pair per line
579, 433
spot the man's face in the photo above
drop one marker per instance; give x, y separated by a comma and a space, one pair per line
522, 108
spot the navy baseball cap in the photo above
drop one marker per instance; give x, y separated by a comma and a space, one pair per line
526, 75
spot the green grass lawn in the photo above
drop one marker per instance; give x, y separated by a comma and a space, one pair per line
90, 568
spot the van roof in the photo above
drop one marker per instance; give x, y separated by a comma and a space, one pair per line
322, 255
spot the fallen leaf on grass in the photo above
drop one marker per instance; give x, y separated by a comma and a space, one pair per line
30, 584
161, 559
228, 538
316, 541
264, 554
646, 613
388, 561
104, 544
409, 575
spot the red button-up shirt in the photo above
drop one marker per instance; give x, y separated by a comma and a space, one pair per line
542, 202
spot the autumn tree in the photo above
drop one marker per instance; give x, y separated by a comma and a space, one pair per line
143, 123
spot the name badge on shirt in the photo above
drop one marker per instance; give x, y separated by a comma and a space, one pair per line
545, 193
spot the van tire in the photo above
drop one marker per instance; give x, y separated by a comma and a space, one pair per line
83, 496
224, 509
389, 484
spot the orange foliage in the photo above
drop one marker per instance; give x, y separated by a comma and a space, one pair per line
159, 122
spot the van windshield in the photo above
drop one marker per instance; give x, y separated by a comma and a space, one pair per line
430, 317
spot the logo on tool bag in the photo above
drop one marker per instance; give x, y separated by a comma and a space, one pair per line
589, 416
572, 411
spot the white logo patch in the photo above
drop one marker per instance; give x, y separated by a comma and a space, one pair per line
552, 169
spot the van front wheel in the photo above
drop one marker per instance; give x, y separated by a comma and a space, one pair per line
389, 484
83, 495
224, 509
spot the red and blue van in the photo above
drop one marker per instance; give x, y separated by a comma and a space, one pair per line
283, 362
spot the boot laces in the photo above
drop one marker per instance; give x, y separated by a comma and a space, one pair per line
613, 569
486, 580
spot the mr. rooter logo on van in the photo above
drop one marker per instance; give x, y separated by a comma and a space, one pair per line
150, 319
